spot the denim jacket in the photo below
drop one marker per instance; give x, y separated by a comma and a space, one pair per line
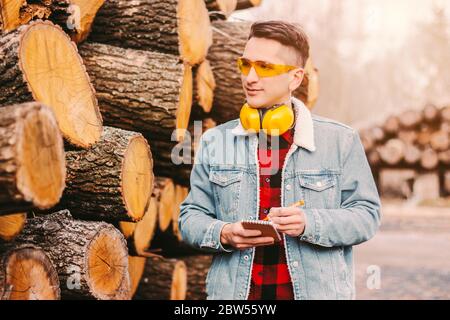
326, 166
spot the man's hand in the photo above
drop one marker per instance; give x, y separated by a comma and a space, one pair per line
288, 220
235, 235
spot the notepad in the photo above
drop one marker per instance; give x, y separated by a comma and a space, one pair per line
266, 227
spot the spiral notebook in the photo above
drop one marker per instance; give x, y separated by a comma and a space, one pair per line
266, 227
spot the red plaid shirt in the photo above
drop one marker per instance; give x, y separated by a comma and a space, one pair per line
270, 275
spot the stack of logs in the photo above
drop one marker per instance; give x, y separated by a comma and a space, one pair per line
417, 140
95, 97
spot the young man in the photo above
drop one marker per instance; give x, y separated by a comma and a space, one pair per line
275, 155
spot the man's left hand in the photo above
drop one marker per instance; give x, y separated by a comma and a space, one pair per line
288, 220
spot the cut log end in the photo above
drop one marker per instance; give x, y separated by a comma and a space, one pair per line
185, 103
82, 13
137, 177
60, 80
11, 225
108, 263
166, 202
136, 266
30, 275
9, 15
194, 30
41, 176
205, 85
179, 282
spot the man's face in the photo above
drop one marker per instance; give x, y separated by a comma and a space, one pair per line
267, 91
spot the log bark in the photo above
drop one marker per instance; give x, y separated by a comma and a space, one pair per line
27, 273
11, 225
113, 180
123, 89
74, 16
90, 257
197, 270
32, 164
30, 70
177, 27
163, 279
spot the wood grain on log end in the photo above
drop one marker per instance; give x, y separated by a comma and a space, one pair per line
139, 234
33, 167
90, 257
11, 225
164, 192
43, 65
27, 273
204, 86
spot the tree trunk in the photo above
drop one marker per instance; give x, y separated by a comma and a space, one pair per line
163, 279
111, 181
90, 257
30, 69
32, 165
123, 89
27, 273
11, 225
177, 27
74, 16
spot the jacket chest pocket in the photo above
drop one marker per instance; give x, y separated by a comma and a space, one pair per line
320, 190
226, 188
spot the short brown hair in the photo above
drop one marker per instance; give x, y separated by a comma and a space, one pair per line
286, 33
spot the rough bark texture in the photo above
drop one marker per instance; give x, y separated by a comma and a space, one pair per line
24, 127
68, 243
151, 25
16, 86
197, 268
31, 276
137, 90
157, 280
94, 178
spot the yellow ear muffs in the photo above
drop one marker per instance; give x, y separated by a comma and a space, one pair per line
275, 121
250, 118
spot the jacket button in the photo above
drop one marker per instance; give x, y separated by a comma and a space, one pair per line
267, 179
245, 258
288, 187
295, 264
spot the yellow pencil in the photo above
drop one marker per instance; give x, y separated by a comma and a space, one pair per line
298, 203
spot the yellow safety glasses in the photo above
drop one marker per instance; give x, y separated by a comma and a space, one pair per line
262, 68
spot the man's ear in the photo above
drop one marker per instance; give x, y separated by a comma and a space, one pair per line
297, 78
